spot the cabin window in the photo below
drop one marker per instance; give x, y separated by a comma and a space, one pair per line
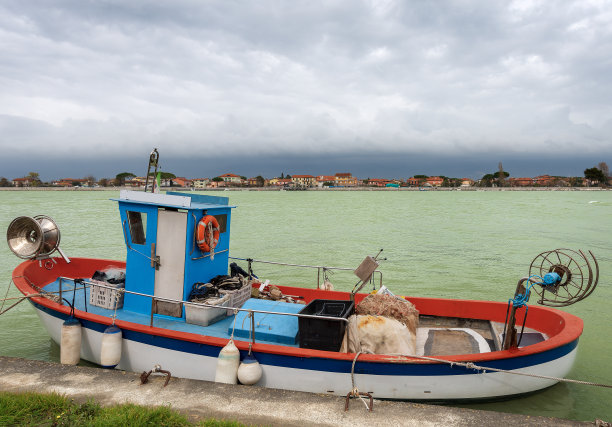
222, 220
138, 225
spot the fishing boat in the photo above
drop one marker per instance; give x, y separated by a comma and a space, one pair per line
143, 314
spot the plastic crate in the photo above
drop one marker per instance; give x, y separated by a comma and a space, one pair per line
237, 297
324, 334
205, 316
104, 297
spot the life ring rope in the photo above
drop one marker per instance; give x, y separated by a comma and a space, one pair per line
207, 233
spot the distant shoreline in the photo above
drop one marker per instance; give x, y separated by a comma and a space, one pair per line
315, 189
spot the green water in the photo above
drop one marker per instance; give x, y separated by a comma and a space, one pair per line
469, 245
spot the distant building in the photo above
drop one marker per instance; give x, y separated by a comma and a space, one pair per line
69, 182
520, 182
283, 182
217, 184
378, 182
303, 180
544, 180
200, 183
415, 182
320, 180
22, 182
346, 180
181, 182
139, 181
467, 182
434, 181
230, 178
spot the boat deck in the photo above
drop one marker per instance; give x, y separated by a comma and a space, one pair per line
436, 336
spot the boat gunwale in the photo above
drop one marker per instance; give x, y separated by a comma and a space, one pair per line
568, 329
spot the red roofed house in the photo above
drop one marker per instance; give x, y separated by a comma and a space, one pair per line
283, 182
378, 182
21, 182
520, 182
230, 178
415, 182
181, 181
322, 179
346, 180
69, 182
435, 181
544, 180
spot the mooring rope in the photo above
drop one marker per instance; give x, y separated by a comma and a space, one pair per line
6, 295
355, 390
470, 365
21, 299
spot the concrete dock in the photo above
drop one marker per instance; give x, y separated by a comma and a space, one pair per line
247, 404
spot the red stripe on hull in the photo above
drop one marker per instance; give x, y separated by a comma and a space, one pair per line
561, 327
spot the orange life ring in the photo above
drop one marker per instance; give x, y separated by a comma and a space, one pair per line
207, 233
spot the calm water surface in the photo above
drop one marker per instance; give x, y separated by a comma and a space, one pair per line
469, 245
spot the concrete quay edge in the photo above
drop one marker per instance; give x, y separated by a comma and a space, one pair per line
247, 404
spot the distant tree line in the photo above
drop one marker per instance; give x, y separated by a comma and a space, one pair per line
597, 175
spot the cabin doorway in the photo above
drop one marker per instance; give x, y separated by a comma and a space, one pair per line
169, 278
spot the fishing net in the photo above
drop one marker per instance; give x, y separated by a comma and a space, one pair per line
390, 306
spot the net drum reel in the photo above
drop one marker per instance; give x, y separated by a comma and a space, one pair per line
560, 277
579, 276
34, 238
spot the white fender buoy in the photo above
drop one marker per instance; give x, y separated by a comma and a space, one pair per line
227, 364
110, 350
327, 285
70, 346
249, 371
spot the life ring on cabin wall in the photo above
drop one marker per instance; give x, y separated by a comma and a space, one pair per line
207, 233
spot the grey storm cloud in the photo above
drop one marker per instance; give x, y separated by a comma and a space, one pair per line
306, 78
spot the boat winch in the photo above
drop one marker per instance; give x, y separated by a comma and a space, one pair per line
560, 277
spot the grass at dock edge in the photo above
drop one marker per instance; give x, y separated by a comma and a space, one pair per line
33, 409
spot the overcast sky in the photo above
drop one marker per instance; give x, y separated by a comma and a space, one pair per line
376, 88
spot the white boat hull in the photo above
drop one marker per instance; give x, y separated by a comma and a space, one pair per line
139, 356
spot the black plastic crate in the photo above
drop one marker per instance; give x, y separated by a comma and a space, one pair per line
324, 334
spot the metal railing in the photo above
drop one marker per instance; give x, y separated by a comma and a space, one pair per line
320, 269
251, 315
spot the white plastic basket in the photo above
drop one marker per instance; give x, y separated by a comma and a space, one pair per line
205, 316
238, 297
104, 297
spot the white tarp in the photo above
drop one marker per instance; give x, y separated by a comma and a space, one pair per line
378, 335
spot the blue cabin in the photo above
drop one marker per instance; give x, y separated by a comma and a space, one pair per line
163, 258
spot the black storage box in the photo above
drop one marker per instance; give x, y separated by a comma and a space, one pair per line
324, 334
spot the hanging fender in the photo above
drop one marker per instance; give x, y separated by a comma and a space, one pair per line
207, 233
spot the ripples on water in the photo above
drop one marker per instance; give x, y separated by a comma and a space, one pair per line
470, 245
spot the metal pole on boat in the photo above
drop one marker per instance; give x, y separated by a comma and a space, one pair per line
365, 270
153, 162
510, 340
252, 316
